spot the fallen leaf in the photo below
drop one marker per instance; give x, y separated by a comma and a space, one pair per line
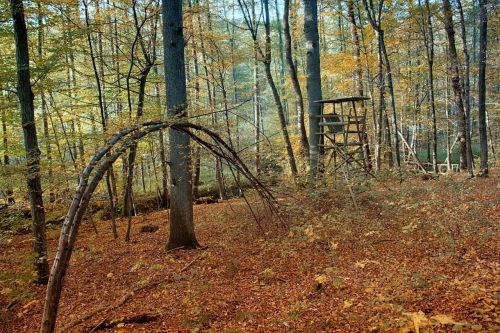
6, 291
347, 304
443, 320
362, 264
321, 278
418, 320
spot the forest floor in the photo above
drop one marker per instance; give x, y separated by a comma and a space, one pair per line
414, 256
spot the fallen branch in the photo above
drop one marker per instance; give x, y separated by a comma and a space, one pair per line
138, 319
127, 296
185, 268
89, 315
412, 153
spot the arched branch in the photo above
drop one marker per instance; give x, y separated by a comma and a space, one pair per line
93, 173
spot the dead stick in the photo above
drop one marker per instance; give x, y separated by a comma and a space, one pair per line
97, 326
192, 262
126, 297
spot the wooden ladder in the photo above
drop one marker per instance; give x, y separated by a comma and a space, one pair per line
347, 126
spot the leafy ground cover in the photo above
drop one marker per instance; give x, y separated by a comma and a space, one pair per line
415, 256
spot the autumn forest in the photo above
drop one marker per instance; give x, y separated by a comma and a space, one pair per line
249, 166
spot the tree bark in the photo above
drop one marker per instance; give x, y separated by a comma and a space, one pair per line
483, 39
462, 136
149, 61
276, 96
447, 112
392, 100
358, 76
466, 80
161, 140
197, 172
256, 108
110, 179
26, 97
211, 97
381, 108
292, 70
374, 16
48, 148
281, 62
313, 69
428, 34
197, 91
6, 159
182, 232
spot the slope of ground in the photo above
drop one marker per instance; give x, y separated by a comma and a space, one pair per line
417, 255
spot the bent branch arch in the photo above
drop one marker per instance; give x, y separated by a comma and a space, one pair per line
93, 173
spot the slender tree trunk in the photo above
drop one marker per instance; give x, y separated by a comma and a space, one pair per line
196, 171
163, 159
81, 146
281, 61
181, 213
277, 98
26, 97
256, 94
466, 76
5, 140
197, 92
313, 80
48, 147
381, 108
483, 39
6, 158
463, 135
111, 188
358, 76
133, 149
392, 99
164, 173
371, 92
301, 127
144, 170
211, 97
340, 26
100, 76
374, 16
164, 200
256, 109
428, 33
448, 130
235, 96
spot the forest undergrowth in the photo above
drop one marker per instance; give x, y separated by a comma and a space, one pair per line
413, 256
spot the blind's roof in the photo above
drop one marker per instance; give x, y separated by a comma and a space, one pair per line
343, 99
